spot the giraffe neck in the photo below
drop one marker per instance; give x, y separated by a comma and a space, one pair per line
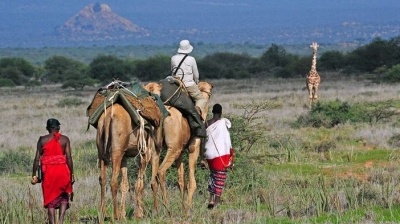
314, 63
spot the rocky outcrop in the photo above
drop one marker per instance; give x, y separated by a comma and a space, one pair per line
98, 21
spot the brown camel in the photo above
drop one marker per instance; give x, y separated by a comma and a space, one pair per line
119, 138
177, 136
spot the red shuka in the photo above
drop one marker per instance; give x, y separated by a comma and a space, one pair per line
56, 174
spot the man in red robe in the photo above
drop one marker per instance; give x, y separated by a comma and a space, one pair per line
54, 153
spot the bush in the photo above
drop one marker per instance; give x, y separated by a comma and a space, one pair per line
6, 82
330, 114
392, 75
33, 83
248, 128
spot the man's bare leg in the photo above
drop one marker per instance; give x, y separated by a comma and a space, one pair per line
51, 214
63, 208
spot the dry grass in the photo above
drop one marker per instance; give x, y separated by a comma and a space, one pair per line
250, 197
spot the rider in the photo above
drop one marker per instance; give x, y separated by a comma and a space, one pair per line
185, 67
184, 103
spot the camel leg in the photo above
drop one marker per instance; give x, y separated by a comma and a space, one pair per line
102, 181
203, 161
192, 166
155, 163
139, 184
124, 187
170, 157
181, 179
116, 167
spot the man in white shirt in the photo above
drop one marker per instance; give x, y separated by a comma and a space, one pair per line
185, 67
219, 154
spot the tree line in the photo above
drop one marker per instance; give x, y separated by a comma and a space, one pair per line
378, 61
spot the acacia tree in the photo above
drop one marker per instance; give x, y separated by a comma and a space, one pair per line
15, 71
153, 68
58, 69
105, 68
332, 60
374, 55
227, 65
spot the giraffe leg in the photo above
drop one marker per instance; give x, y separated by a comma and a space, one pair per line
310, 91
310, 95
316, 92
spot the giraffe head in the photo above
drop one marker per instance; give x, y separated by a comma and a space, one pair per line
314, 47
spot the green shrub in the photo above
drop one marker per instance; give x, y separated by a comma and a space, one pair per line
248, 128
33, 83
330, 114
6, 82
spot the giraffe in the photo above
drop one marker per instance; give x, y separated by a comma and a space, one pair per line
313, 79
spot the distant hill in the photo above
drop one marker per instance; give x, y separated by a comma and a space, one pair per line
98, 22
74, 23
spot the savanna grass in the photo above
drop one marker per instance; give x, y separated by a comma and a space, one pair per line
345, 174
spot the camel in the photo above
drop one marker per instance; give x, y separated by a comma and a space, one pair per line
119, 138
177, 137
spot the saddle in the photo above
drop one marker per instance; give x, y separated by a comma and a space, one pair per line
173, 94
137, 102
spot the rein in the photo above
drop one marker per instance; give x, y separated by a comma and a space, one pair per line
208, 93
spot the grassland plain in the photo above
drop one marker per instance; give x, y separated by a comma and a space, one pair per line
345, 174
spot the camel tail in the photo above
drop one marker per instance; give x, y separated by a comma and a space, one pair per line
107, 130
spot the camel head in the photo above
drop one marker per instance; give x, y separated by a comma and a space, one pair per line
153, 87
206, 87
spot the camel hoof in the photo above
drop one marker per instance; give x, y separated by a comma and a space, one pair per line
138, 216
